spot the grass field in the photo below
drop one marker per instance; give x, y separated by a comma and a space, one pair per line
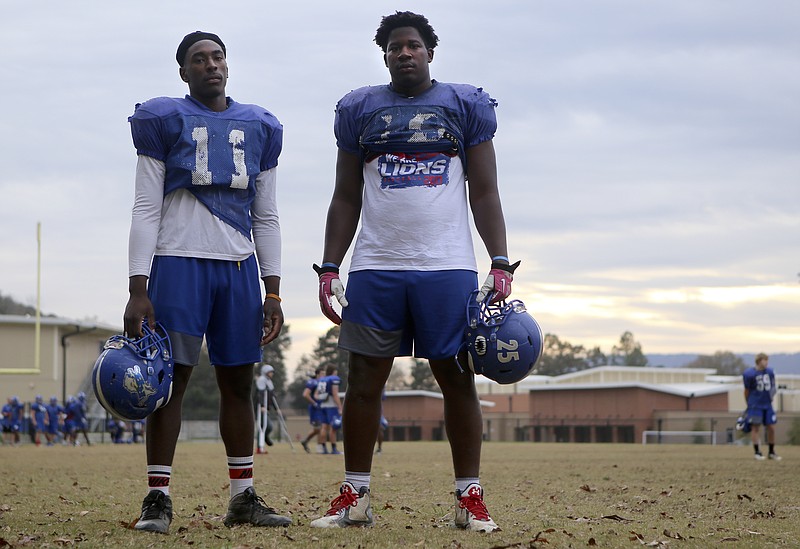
542, 495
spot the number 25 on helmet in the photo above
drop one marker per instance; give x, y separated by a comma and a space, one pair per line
132, 378
503, 341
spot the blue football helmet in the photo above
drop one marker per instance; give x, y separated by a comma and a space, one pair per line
336, 423
743, 423
132, 378
503, 341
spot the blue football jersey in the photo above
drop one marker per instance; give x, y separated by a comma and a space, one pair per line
445, 119
761, 384
54, 412
6, 415
215, 155
39, 410
325, 388
311, 384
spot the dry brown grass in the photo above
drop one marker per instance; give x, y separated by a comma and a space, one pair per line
542, 495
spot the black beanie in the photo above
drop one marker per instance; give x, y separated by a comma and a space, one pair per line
193, 37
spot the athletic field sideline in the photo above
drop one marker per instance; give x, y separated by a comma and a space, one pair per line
542, 495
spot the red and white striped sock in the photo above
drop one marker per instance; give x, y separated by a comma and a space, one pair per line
240, 471
158, 477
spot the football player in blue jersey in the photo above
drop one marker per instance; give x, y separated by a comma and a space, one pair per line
204, 229
81, 418
759, 390
10, 423
55, 413
414, 158
314, 411
39, 412
330, 404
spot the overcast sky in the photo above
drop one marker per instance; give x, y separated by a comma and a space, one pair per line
649, 152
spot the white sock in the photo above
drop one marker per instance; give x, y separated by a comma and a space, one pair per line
462, 483
358, 480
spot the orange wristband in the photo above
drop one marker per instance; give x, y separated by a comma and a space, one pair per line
276, 297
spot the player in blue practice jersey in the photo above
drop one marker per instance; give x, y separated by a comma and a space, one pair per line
414, 158
55, 414
12, 422
759, 390
81, 418
330, 404
39, 413
314, 411
204, 210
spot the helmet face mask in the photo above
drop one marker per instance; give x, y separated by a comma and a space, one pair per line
133, 378
503, 341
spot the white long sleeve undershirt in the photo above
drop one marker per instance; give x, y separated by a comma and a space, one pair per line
179, 225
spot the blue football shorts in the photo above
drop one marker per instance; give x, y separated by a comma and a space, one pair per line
215, 299
762, 416
314, 415
328, 415
395, 313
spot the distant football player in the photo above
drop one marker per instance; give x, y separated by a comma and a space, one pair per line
415, 157
39, 413
264, 393
70, 426
204, 210
55, 415
314, 411
81, 419
12, 421
759, 390
330, 404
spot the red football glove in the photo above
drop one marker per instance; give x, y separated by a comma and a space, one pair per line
498, 283
330, 286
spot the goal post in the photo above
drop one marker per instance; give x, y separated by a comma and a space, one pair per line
678, 437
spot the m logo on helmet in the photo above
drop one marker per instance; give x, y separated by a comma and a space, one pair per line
480, 345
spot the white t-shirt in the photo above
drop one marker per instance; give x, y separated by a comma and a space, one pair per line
414, 228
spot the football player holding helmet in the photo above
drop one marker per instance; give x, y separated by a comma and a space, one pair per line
502, 340
133, 377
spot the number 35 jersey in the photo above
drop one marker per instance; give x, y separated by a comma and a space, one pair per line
413, 150
214, 155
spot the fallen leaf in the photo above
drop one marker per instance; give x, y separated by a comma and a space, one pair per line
617, 518
669, 534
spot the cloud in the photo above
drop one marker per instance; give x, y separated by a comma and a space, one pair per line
647, 153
